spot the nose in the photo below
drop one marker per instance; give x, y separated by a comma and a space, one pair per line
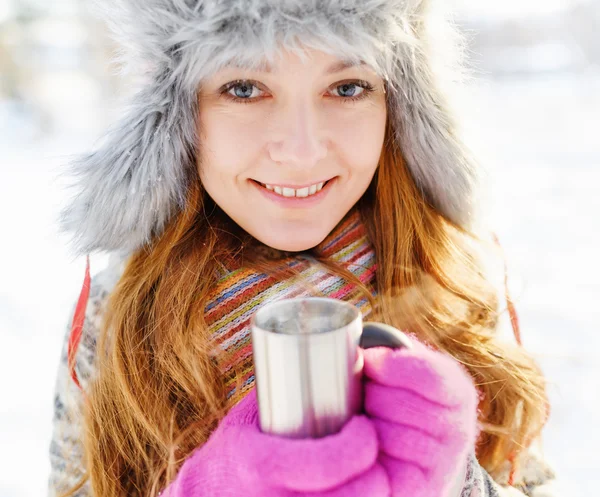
298, 140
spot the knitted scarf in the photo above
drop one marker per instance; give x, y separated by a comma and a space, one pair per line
240, 292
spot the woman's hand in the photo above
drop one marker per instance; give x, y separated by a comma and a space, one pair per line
424, 407
240, 460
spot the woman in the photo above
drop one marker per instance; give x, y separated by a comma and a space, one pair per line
278, 149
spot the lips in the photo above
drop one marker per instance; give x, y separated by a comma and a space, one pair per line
294, 201
300, 192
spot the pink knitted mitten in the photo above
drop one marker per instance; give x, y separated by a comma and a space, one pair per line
424, 407
240, 460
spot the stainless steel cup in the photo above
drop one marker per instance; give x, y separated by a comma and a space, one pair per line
307, 364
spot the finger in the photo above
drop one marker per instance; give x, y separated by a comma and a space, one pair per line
434, 375
408, 444
374, 483
313, 465
406, 478
407, 408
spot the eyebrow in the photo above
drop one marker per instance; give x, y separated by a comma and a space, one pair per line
336, 67
343, 65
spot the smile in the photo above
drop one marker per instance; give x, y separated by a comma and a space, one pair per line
303, 197
306, 191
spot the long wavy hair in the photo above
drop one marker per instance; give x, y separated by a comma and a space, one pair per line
157, 394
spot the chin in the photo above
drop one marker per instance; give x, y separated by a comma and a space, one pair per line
288, 242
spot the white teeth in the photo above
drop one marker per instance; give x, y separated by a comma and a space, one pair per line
300, 192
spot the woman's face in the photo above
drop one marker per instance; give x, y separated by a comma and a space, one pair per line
288, 150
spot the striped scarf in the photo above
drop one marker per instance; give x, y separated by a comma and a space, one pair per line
239, 293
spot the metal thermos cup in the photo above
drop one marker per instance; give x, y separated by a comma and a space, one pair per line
307, 364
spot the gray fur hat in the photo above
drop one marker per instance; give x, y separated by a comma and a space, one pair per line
129, 187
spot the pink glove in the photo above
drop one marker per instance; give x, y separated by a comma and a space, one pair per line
240, 460
424, 407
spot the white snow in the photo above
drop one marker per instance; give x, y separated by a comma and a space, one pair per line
510, 9
540, 138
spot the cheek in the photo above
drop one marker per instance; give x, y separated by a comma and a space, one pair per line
229, 144
359, 138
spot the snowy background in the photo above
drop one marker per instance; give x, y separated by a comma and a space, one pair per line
533, 119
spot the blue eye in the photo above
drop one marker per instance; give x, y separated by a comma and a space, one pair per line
247, 91
353, 91
349, 90
242, 90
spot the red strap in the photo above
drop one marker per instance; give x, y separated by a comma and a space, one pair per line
512, 311
78, 320
514, 320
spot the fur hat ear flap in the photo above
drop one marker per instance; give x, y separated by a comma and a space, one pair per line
128, 188
442, 167
423, 77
